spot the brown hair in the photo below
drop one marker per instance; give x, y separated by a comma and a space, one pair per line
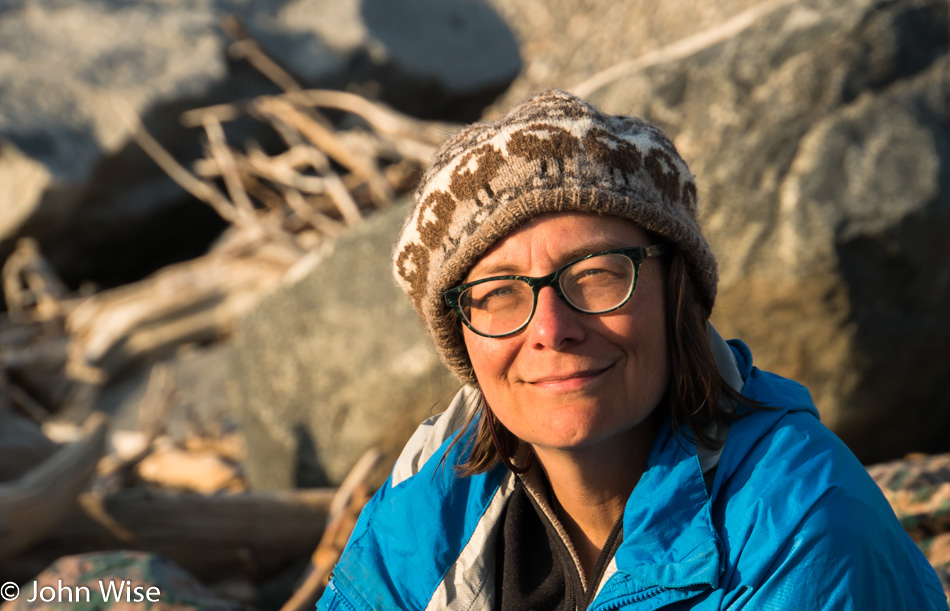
697, 396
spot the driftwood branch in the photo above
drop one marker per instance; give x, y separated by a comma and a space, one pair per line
114, 470
192, 301
201, 189
34, 505
344, 510
29, 281
225, 160
245, 47
385, 120
283, 169
325, 140
249, 534
314, 217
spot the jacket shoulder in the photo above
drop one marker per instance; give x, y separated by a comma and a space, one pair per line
432, 434
799, 516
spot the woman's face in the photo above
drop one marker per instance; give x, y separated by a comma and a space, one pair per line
572, 380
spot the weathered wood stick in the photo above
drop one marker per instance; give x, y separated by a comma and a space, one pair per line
317, 219
25, 272
324, 138
251, 534
34, 505
225, 160
245, 47
344, 511
201, 189
189, 301
384, 119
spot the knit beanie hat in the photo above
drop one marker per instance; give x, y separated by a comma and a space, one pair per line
552, 153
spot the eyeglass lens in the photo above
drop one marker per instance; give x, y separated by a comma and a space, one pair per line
593, 285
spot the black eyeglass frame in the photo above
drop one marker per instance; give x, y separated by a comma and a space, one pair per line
636, 254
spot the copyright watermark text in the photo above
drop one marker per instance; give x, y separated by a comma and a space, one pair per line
106, 590
9, 591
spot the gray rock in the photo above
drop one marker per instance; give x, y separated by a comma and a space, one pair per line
432, 58
202, 404
564, 42
69, 174
334, 364
62, 66
821, 144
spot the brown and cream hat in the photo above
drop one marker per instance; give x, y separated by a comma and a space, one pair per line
552, 153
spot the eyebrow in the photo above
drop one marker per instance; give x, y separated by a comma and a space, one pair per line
504, 268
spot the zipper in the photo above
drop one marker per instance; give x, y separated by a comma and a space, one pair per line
632, 598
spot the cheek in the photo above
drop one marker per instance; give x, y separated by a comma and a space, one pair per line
490, 357
643, 336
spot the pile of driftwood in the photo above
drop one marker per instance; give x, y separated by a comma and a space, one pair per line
67, 489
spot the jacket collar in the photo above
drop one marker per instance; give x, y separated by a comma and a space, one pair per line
671, 549
669, 539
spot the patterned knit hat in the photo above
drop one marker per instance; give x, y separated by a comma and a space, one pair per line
552, 153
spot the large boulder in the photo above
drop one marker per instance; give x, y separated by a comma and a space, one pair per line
819, 134
69, 173
335, 363
62, 66
431, 58
570, 41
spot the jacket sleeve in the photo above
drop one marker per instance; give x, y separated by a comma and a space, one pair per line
841, 556
805, 527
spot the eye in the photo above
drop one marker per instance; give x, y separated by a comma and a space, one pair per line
596, 275
592, 272
495, 295
603, 267
499, 292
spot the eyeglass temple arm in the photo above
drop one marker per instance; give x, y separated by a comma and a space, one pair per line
655, 250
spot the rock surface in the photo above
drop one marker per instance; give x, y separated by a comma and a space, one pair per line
431, 58
68, 172
565, 42
819, 134
335, 363
62, 67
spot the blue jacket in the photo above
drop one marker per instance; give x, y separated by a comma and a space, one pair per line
791, 521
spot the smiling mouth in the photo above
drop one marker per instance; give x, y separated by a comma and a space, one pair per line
577, 377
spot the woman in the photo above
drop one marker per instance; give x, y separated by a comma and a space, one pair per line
609, 450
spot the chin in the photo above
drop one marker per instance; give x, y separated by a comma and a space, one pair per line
573, 430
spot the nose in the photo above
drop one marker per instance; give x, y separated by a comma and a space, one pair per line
554, 324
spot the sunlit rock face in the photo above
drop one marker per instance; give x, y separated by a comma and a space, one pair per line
819, 137
336, 363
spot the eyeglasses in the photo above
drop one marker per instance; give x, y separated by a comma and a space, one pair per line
595, 284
